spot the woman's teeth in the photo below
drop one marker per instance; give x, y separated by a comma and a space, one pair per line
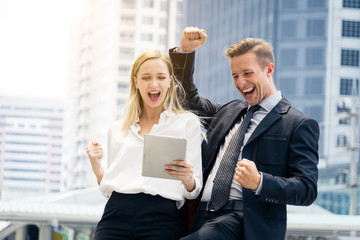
154, 95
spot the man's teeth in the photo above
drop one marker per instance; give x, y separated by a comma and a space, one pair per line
248, 90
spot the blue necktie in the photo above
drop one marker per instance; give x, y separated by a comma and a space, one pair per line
225, 173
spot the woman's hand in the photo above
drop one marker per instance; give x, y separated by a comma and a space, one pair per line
95, 153
184, 171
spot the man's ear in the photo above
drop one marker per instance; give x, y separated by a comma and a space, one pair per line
270, 69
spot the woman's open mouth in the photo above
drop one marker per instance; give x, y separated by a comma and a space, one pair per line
154, 96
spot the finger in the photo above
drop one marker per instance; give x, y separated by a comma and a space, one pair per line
202, 34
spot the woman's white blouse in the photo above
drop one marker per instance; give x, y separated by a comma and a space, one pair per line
124, 159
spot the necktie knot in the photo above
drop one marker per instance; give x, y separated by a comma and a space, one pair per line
254, 108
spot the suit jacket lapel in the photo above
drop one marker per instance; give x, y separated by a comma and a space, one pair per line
274, 115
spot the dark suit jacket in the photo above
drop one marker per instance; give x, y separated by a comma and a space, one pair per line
284, 147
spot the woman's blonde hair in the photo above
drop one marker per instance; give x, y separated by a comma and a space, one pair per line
134, 106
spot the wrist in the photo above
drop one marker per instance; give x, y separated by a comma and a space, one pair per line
190, 186
186, 49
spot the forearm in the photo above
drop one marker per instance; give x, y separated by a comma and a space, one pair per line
184, 70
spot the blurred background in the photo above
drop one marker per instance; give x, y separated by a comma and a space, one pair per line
64, 77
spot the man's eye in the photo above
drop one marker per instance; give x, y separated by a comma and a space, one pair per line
247, 74
145, 78
235, 77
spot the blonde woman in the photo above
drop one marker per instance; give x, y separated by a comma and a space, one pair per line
143, 207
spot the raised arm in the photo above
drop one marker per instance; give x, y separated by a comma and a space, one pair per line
183, 59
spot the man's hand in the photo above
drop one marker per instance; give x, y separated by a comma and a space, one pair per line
192, 38
247, 174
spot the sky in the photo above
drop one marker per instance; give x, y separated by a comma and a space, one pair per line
34, 48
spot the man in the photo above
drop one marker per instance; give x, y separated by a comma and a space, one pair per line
276, 163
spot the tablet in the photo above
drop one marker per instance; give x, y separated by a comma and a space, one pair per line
159, 151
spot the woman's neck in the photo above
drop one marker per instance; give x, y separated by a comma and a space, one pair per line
147, 120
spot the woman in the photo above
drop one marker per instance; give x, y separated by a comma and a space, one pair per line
143, 207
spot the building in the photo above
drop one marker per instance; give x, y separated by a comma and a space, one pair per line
106, 38
30, 146
317, 47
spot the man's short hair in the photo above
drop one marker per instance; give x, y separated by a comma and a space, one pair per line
261, 48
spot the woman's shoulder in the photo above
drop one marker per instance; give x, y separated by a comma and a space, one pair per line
186, 115
115, 126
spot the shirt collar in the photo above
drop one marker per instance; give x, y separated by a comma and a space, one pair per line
164, 114
270, 102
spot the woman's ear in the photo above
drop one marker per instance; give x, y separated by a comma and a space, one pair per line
135, 82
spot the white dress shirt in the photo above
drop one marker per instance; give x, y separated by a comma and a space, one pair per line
125, 155
236, 190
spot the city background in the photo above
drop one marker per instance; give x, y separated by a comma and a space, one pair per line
47, 188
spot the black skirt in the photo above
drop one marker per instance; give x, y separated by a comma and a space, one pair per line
139, 216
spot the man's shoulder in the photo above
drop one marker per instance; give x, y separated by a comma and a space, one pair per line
234, 104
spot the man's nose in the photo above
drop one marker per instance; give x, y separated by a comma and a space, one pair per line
241, 82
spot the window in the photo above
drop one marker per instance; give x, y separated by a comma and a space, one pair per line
164, 6
289, 28
128, 19
316, 3
148, 3
349, 57
345, 121
121, 104
286, 4
314, 57
349, 87
127, 36
123, 87
315, 28
288, 57
147, 20
314, 85
315, 112
341, 141
351, 29
124, 70
288, 85
351, 3
126, 53
179, 7
163, 39
163, 23
147, 37
128, 4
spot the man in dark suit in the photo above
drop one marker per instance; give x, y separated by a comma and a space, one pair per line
277, 162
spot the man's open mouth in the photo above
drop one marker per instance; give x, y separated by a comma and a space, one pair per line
249, 91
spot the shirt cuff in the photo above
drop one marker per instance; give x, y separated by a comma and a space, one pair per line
258, 190
177, 50
194, 193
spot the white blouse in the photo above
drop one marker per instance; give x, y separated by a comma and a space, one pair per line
124, 159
